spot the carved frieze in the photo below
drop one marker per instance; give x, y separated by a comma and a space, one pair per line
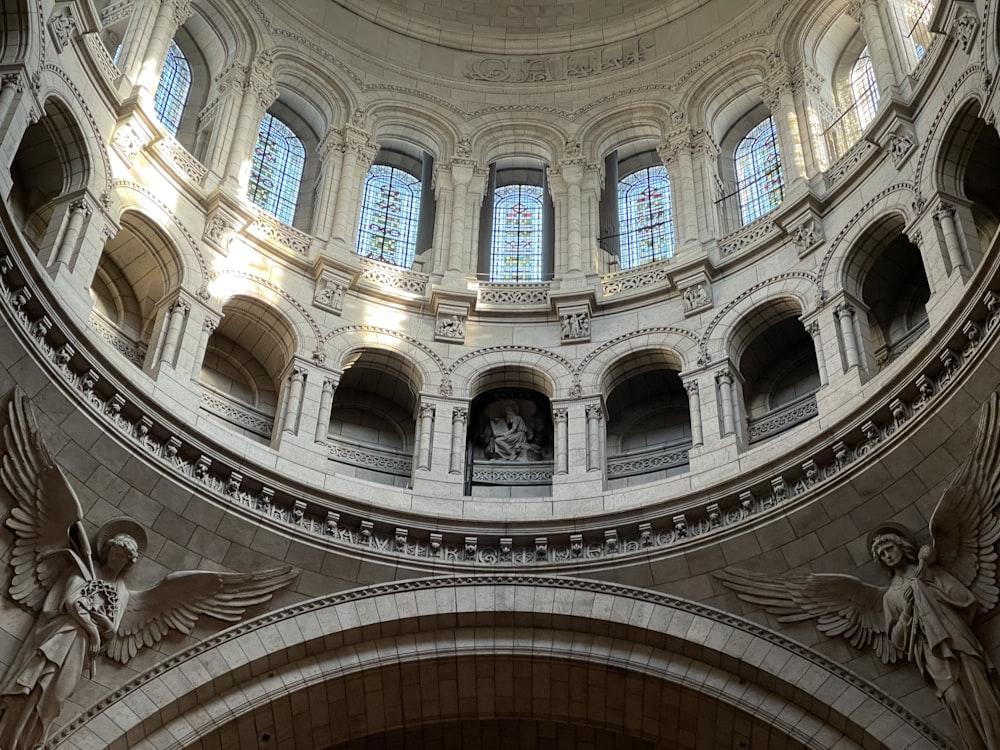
574, 65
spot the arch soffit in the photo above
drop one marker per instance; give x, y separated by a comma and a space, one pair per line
621, 619
895, 199
229, 285
616, 126
241, 33
720, 332
517, 136
725, 91
22, 41
316, 86
753, 322
596, 368
216, 37
545, 366
162, 245
820, 32
95, 174
934, 167
865, 247
411, 122
341, 345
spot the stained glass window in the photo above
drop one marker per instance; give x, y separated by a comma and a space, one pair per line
172, 91
646, 217
864, 89
918, 19
759, 181
390, 210
517, 234
278, 160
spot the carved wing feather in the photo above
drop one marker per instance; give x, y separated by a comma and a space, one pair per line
177, 602
965, 527
841, 605
46, 517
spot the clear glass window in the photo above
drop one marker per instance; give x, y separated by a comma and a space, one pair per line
173, 89
517, 234
918, 20
646, 217
278, 160
390, 211
759, 182
865, 89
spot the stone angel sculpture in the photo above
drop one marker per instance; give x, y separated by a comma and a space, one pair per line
84, 606
925, 614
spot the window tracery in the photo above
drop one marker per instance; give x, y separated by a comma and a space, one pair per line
390, 212
517, 246
864, 89
646, 216
760, 184
173, 89
278, 162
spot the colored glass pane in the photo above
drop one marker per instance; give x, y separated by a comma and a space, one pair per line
390, 210
759, 182
864, 89
172, 91
276, 174
517, 234
646, 216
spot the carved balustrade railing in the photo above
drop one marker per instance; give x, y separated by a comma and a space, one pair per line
357, 454
801, 410
629, 280
529, 473
886, 355
237, 413
651, 460
134, 351
503, 295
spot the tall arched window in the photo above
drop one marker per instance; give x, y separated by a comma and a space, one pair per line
390, 213
646, 217
278, 160
917, 15
517, 245
759, 182
864, 89
173, 89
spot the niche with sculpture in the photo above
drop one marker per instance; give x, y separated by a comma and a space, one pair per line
510, 444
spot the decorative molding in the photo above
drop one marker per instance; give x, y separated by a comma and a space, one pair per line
171, 150
749, 236
783, 419
491, 293
133, 351
369, 457
647, 275
575, 65
657, 459
241, 415
270, 229
858, 154
388, 277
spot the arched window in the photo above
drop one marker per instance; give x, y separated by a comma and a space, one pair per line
517, 246
917, 16
864, 89
759, 182
173, 89
646, 217
278, 160
390, 213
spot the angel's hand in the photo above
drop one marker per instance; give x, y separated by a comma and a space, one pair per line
103, 622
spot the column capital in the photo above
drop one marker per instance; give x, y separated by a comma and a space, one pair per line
844, 309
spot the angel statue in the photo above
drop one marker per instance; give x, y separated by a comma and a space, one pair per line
84, 606
926, 613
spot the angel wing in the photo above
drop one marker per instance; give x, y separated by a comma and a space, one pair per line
49, 537
177, 601
841, 605
964, 527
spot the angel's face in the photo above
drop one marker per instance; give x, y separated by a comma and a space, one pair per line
889, 553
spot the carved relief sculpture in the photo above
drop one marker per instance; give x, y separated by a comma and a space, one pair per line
507, 436
78, 590
926, 613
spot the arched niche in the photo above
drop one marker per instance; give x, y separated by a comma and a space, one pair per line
635, 668
51, 162
372, 427
245, 362
509, 445
138, 268
776, 360
885, 272
649, 419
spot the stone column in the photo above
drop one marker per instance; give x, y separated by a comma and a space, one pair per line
426, 432
444, 193
207, 329
293, 409
560, 418
459, 420
595, 429
845, 319
79, 211
259, 93
169, 17
812, 329
568, 200
137, 35
176, 317
11, 84
724, 380
359, 153
331, 153
330, 384
694, 405
676, 157
779, 98
865, 13
462, 171
945, 217
217, 120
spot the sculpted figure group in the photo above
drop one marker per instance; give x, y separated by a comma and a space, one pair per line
84, 607
927, 612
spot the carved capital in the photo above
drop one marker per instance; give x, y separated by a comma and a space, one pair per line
844, 310
459, 415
